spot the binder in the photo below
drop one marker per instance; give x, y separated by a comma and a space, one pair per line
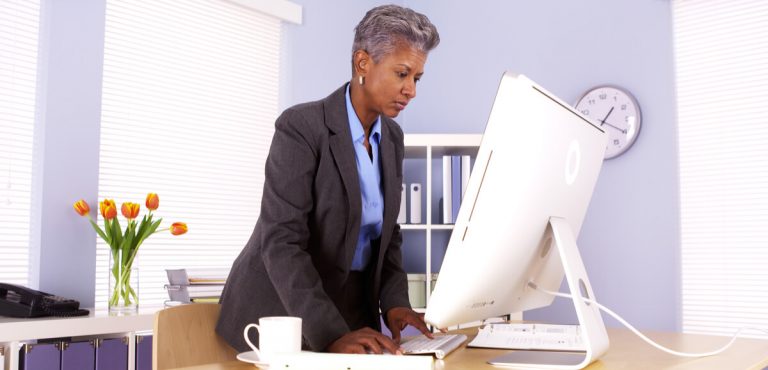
466, 170
144, 352
455, 187
447, 205
78, 355
416, 203
41, 356
401, 213
112, 354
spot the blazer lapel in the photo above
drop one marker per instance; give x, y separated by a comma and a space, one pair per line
343, 153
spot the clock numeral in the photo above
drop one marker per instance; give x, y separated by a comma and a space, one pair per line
603, 96
585, 112
616, 142
623, 107
591, 101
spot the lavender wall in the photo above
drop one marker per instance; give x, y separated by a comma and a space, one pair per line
69, 112
630, 238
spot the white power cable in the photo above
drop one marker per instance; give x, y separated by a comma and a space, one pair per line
641, 335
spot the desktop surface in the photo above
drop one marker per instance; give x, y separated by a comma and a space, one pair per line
627, 352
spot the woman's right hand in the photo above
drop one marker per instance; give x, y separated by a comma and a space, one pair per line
364, 340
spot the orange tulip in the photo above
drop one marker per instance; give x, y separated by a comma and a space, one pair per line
81, 207
130, 210
108, 209
153, 201
178, 228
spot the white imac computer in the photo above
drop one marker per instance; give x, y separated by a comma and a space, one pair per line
528, 192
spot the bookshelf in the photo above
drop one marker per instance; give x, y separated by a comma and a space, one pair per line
427, 148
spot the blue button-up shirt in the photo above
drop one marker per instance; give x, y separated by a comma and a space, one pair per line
369, 171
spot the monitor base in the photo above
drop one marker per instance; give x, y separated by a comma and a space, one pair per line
592, 327
541, 359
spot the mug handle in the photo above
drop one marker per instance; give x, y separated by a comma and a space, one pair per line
248, 340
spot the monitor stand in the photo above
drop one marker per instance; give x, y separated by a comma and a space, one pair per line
592, 328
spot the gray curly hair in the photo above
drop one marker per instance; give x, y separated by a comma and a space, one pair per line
383, 27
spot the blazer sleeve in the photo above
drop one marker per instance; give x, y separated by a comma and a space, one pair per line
286, 205
394, 281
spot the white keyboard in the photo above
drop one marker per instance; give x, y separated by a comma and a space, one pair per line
530, 337
441, 346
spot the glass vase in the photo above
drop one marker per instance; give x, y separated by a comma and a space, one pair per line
123, 288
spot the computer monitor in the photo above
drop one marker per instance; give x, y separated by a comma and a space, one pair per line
527, 196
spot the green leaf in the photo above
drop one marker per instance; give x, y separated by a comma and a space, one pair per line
154, 226
117, 234
108, 231
150, 230
125, 246
99, 231
143, 228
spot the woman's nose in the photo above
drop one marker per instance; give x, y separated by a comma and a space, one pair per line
409, 89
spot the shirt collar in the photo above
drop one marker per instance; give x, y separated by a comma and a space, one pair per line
356, 127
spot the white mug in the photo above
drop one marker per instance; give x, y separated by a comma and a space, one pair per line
277, 334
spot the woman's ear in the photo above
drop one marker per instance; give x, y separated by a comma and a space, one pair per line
361, 62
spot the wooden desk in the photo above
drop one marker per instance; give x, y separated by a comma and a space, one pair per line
627, 351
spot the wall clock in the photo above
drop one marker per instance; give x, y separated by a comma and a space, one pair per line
615, 111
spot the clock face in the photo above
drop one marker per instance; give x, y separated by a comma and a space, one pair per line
615, 111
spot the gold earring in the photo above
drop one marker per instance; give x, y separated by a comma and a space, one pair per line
361, 80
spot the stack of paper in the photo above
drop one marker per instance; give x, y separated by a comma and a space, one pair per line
334, 361
196, 285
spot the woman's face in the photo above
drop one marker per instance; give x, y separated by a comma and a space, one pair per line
390, 84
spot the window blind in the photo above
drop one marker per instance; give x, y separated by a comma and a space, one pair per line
19, 26
722, 85
189, 103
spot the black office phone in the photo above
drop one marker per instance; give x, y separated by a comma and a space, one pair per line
19, 301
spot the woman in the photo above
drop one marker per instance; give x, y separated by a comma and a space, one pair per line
326, 247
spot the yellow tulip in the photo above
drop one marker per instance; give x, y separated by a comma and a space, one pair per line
153, 201
130, 210
81, 207
108, 209
178, 228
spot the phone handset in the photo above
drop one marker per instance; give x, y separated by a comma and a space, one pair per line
19, 301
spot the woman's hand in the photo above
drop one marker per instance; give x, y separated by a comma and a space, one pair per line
400, 317
365, 340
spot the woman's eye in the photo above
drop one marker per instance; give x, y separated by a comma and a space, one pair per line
417, 79
402, 74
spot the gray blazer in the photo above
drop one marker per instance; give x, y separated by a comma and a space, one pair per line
299, 255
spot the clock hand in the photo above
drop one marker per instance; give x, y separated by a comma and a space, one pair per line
623, 131
606, 117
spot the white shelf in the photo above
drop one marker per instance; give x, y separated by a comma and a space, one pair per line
443, 140
425, 226
417, 145
98, 322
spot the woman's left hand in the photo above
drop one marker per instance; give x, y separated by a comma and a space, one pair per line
400, 317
